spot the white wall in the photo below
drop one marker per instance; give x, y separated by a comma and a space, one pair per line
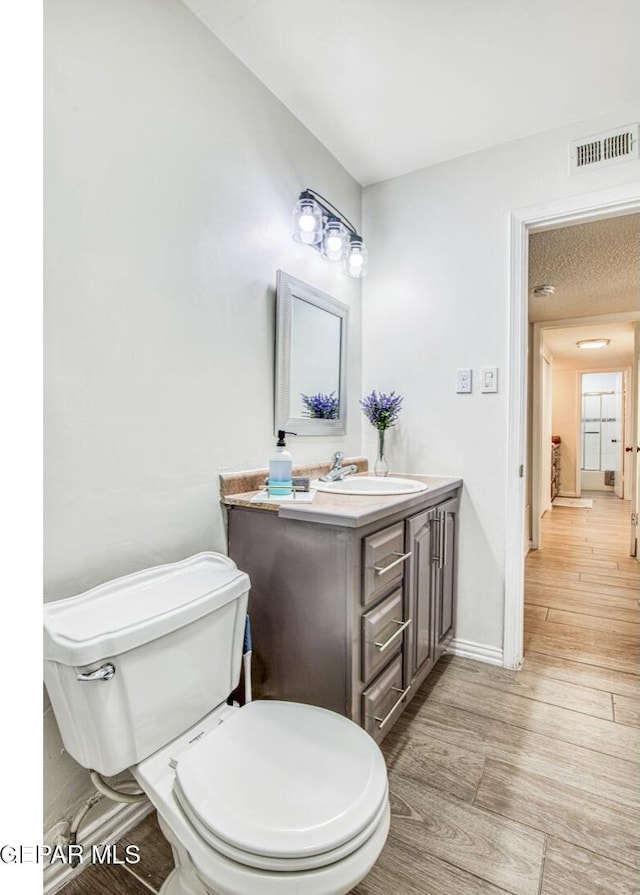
592, 480
171, 173
436, 299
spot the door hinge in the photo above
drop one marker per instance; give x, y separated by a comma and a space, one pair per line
634, 518
520, 471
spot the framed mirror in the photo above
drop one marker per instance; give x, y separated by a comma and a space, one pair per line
311, 364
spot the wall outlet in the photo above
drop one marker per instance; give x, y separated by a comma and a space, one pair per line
489, 379
463, 382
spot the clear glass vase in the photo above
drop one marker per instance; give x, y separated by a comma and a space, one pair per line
381, 467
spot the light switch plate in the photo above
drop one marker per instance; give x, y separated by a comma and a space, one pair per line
463, 382
489, 379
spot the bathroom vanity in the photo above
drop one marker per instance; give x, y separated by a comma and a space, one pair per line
352, 598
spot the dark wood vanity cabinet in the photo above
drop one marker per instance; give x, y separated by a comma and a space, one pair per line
446, 575
350, 618
430, 587
422, 543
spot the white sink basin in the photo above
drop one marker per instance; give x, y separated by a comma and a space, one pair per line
374, 486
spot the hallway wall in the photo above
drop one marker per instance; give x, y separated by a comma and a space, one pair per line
437, 299
171, 173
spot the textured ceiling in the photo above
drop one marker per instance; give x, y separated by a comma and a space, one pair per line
595, 268
389, 87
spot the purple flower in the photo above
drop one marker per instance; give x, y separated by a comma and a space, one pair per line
321, 407
382, 410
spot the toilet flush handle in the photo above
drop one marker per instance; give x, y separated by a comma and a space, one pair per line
104, 673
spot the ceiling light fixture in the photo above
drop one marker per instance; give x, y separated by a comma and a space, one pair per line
319, 224
593, 343
544, 289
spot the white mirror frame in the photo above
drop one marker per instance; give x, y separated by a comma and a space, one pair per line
288, 288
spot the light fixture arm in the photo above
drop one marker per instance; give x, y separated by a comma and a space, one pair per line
329, 209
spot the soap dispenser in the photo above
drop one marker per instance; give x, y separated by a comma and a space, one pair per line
280, 465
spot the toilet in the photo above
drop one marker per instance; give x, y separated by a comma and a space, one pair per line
274, 797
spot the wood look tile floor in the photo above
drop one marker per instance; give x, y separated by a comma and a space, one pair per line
504, 782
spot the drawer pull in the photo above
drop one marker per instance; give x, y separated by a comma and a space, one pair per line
382, 646
383, 721
380, 570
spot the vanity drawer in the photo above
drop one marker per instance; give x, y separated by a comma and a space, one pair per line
382, 631
384, 560
383, 700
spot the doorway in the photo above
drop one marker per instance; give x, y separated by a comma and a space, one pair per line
590, 207
568, 455
602, 415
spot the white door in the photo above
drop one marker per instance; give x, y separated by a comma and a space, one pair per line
633, 447
546, 423
619, 409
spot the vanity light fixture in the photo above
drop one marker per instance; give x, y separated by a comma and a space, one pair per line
356, 258
334, 240
319, 224
593, 343
307, 220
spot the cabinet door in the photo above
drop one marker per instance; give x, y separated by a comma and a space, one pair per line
446, 578
422, 531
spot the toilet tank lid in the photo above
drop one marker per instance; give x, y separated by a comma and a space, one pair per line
130, 611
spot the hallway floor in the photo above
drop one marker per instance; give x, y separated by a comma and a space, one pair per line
503, 782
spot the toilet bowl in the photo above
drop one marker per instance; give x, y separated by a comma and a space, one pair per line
274, 797
268, 796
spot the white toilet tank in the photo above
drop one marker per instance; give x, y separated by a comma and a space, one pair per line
173, 636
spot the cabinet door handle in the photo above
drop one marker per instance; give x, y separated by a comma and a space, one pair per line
436, 528
445, 552
380, 570
443, 536
382, 646
383, 721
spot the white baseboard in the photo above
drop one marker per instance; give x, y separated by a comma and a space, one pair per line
479, 651
105, 830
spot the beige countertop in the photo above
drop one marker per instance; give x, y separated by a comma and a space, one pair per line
350, 511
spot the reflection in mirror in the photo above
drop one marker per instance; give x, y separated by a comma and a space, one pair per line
310, 359
315, 375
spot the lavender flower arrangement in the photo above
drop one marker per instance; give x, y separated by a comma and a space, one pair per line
382, 410
320, 406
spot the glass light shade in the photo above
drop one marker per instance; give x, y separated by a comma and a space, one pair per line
356, 258
307, 222
334, 240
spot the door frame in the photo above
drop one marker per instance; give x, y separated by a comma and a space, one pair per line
535, 460
634, 440
625, 374
548, 216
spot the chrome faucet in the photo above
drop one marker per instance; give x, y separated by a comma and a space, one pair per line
338, 471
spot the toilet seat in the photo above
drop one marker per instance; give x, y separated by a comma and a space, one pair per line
288, 865
234, 786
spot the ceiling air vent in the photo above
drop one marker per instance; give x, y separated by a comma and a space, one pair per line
615, 146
